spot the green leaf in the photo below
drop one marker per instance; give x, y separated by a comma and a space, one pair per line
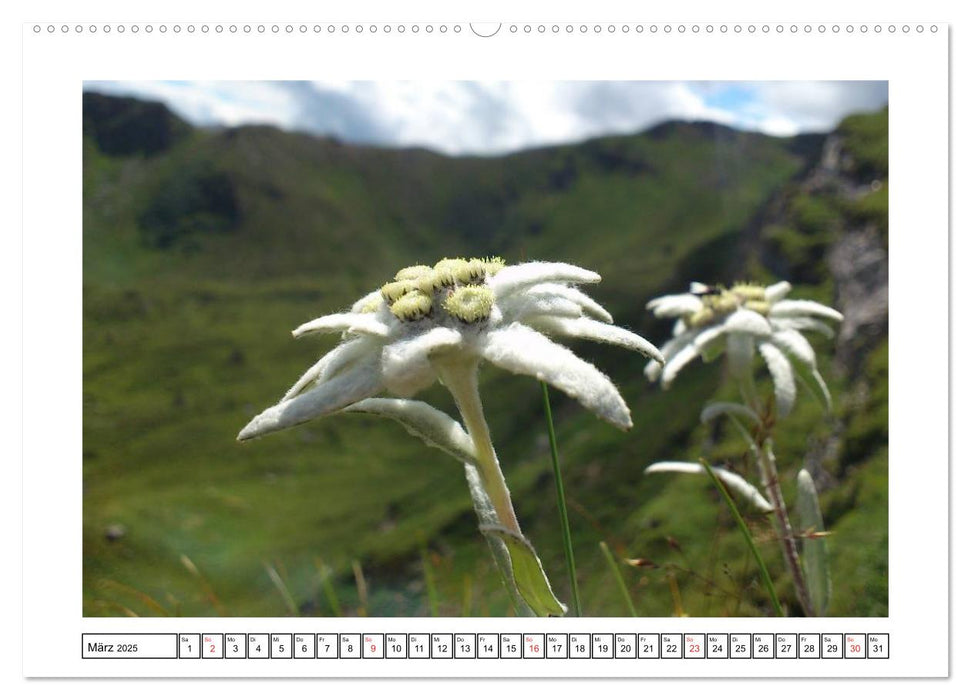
434, 427
721, 408
488, 519
815, 559
530, 579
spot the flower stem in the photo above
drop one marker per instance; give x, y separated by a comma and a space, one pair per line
769, 476
770, 482
571, 564
460, 377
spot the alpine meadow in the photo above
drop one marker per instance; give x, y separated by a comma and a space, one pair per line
203, 248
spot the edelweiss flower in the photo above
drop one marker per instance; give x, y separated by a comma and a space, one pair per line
439, 323
739, 320
405, 336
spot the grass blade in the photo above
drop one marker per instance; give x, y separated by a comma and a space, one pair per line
361, 587
770, 588
327, 585
466, 596
281, 588
144, 598
620, 579
675, 596
207, 588
571, 564
426, 566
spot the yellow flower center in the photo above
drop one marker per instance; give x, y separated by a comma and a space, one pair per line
720, 302
455, 284
470, 303
393, 291
412, 273
412, 306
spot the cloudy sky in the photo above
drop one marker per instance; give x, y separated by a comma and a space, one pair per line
499, 117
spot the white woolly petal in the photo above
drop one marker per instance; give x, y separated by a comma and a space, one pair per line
776, 292
372, 297
679, 327
802, 323
653, 370
405, 364
364, 324
668, 351
698, 288
522, 350
360, 382
675, 305
332, 363
814, 381
748, 321
804, 308
514, 277
783, 377
434, 427
571, 294
589, 329
794, 343
517, 307
732, 481
708, 335
675, 363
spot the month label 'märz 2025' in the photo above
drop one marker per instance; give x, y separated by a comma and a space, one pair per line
129, 646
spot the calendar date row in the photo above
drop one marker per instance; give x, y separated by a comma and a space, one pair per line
487, 646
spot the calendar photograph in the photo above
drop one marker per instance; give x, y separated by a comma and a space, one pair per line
485, 349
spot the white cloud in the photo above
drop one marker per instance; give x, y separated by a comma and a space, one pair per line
496, 117
819, 104
777, 126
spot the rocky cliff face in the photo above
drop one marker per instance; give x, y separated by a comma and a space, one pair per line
836, 217
856, 255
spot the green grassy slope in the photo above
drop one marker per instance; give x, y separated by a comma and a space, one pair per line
201, 257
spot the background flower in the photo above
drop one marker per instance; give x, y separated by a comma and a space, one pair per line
738, 321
